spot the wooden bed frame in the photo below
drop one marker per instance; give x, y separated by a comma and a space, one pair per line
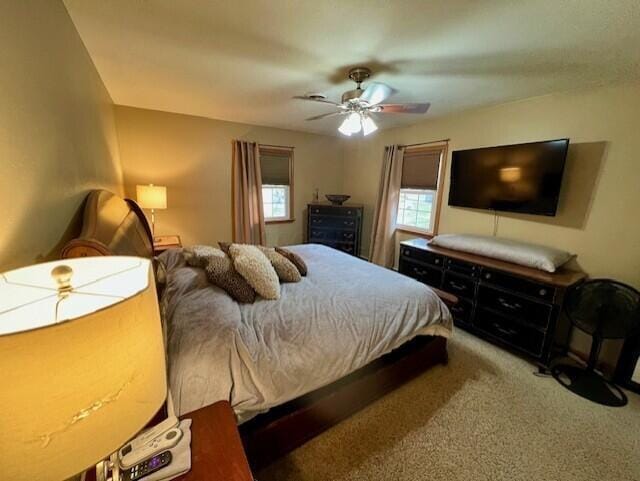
115, 226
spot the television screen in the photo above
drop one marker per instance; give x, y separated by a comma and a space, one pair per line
522, 178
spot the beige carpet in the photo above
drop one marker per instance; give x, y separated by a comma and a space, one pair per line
482, 417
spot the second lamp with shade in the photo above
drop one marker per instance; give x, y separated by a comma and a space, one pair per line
152, 197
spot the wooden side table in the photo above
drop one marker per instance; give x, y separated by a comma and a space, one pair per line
217, 453
216, 449
162, 243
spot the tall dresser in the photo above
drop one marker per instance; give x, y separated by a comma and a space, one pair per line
510, 305
337, 226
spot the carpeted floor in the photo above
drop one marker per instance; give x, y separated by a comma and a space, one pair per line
485, 416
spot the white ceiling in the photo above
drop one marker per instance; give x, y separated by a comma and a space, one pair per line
243, 60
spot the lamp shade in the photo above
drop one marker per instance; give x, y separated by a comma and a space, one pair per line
82, 363
151, 196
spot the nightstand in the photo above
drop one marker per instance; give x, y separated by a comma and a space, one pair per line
162, 243
216, 449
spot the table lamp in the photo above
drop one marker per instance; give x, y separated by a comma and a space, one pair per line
82, 363
152, 197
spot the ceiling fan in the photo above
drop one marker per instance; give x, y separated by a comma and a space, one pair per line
359, 105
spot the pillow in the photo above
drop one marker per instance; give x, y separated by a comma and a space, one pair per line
254, 266
220, 271
530, 255
286, 270
198, 255
295, 259
224, 246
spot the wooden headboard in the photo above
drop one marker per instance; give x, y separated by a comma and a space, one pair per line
111, 225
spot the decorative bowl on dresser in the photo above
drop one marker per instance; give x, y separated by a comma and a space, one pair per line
513, 306
337, 226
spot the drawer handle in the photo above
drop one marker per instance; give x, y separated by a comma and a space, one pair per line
316, 233
317, 221
420, 272
487, 276
437, 261
458, 287
457, 309
407, 252
348, 212
348, 222
542, 292
502, 330
316, 211
508, 305
348, 236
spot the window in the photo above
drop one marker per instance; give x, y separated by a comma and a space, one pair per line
276, 165
419, 192
415, 209
275, 200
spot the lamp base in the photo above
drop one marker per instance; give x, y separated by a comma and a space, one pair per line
108, 469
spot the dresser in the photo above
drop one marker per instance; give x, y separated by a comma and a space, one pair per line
515, 307
337, 226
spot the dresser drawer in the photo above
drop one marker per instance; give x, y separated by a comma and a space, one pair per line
513, 306
334, 222
348, 248
422, 256
334, 210
462, 311
462, 267
509, 332
514, 283
346, 236
425, 274
459, 285
317, 235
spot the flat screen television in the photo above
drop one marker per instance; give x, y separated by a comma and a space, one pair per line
523, 178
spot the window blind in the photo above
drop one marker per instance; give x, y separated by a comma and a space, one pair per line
420, 168
274, 166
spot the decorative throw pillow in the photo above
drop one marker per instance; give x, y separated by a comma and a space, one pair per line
224, 246
220, 271
295, 259
530, 255
254, 266
198, 255
286, 270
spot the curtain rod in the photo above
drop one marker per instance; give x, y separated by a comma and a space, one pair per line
426, 143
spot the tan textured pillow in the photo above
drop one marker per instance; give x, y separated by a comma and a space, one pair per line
286, 270
198, 255
220, 271
295, 259
254, 266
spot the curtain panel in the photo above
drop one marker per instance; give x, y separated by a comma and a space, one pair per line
248, 214
384, 222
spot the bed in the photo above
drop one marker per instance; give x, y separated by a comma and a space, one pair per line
346, 334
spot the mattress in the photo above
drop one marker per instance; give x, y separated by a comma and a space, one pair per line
344, 314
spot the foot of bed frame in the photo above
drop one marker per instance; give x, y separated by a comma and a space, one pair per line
284, 428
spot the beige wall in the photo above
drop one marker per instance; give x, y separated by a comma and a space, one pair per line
192, 157
598, 212
57, 130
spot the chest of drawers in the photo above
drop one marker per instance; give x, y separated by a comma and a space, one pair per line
337, 226
513, 306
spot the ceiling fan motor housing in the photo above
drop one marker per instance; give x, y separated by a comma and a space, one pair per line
358, 75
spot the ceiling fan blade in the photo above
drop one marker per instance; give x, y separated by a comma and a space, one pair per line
324, 116
404, 108
324, 101
376, 93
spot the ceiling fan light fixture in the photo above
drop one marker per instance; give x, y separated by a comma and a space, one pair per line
351, 124
368, 126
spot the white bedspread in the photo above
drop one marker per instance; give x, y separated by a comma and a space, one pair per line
344, 314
